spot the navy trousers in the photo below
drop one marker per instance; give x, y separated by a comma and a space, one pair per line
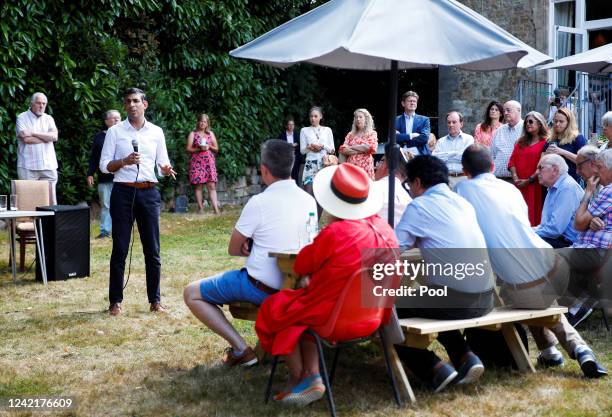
146, 209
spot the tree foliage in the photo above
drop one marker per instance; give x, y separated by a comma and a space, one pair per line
82, 54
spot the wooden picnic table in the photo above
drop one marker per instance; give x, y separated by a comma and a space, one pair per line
422, 332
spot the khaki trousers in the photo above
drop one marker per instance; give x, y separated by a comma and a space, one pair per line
543, 296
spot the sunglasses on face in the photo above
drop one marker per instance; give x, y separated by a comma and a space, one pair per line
530, 122
583, 162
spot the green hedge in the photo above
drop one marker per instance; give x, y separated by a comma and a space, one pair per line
83, 54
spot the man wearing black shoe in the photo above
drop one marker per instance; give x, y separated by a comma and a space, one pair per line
131, 151
532, 275
443, 225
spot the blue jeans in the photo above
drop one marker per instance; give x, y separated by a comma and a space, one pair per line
104, 193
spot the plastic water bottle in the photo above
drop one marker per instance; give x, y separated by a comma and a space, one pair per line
312, 227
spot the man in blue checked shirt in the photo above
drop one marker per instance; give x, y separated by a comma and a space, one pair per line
561, 202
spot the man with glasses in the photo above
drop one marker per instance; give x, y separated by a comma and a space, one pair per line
444, 227
561, 202
504, 139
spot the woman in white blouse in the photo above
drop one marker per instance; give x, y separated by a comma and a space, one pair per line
316, 141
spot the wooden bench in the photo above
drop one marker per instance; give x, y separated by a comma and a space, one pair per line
421, 332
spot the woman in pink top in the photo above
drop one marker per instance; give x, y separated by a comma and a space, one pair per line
494, 117
361, 142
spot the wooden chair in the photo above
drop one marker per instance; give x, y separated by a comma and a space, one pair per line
30, 194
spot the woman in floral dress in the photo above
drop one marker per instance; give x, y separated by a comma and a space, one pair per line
361, 142
201, 143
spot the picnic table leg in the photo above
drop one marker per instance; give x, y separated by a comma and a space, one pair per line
517, 348
400, 374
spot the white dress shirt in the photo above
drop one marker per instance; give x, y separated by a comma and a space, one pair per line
502, 146
441, 219
39, 156
402, 199
321, 135
274, 220
450, 149
151, 147
518, 254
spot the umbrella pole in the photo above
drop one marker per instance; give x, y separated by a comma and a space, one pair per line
392, 149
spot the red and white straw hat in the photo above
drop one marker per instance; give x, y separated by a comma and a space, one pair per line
345, 191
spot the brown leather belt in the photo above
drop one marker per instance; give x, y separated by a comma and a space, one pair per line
535, 283
456, 174
144, 184
261, 286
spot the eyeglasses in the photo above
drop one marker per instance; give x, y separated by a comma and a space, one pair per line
405, 186
530, 122
578, 164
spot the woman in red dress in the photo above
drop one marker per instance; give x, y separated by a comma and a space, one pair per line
361, 142
523, 163
333, 257
201, 143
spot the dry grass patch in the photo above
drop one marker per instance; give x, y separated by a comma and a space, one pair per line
59, 340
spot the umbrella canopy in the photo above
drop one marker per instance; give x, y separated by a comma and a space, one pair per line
593, 61
369, 34
392, 35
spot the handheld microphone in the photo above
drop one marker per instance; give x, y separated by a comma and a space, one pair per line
135, 146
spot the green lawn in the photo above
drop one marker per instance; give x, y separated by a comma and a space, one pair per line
60, 341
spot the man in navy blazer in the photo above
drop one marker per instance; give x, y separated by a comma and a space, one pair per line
292, 136
417, 133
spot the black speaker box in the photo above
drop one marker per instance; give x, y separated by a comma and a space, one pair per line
66, 239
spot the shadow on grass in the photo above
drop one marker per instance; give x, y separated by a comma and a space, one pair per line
215, 390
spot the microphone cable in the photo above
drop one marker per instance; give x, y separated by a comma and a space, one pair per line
133, 218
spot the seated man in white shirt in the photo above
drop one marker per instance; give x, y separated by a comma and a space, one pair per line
270, 221
444, 226
533, 276
402, 198
449, 148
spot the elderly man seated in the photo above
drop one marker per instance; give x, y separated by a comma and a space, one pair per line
532, 275
589, 255
444, 226
561, 202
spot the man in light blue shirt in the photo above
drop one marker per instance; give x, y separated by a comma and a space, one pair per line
443, 225
532, 275
449, 148
562, 200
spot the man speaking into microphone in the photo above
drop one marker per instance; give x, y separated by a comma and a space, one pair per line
131, 151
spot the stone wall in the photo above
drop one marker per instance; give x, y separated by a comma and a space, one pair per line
240, 191
469, 91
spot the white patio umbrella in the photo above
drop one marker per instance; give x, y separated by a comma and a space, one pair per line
598, 60
392, 35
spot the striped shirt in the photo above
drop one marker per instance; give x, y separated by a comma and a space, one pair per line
502, 145
600, 207
39, 156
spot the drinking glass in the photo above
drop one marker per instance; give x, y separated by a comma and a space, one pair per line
13, 202
2, 203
